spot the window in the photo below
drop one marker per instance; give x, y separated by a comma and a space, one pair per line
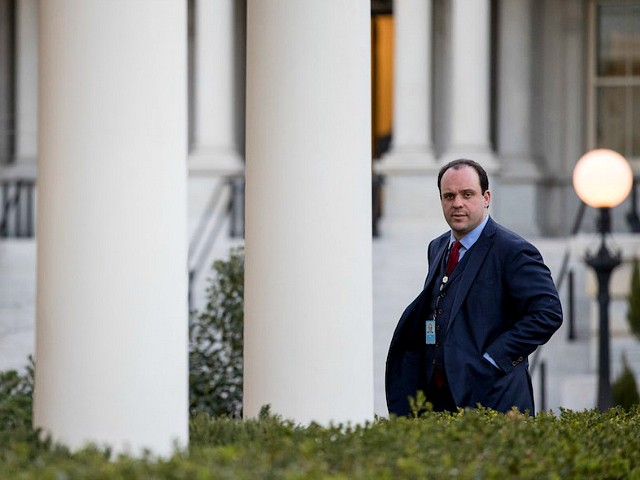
615, 77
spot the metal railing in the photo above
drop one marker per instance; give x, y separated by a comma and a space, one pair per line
17, 208
632, 215
236, 207
226, 203
543, 386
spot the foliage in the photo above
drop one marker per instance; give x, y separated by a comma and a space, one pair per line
16, 398
624, 389
216, 341
467, 445
633, 299
16, 404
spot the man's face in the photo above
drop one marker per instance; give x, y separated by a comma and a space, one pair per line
463, 204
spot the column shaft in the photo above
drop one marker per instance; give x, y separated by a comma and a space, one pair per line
470, 79
217, 90
308, 313
519, 173
515, 78
412, 137
111, 346
26, 80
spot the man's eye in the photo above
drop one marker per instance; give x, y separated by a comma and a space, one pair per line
468, 195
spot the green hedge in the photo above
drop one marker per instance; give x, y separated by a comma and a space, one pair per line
475, 444
216, 340
624, 389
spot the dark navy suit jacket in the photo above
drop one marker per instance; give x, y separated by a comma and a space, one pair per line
506, 305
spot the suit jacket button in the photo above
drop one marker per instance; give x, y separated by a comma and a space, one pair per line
434, 362
520, 359
514, 363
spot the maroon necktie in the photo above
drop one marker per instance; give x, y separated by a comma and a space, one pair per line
454, 256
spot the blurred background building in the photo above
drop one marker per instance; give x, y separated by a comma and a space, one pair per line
523, 86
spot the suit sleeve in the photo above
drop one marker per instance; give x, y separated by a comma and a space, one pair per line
531, 307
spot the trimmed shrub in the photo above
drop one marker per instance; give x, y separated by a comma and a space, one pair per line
470, 444
624, 389
467, 445
16, 404
216, 342
633, 299
16, 398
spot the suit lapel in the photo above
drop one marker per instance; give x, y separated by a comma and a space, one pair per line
476, 254
440, 247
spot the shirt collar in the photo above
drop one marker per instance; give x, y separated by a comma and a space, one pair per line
470, 238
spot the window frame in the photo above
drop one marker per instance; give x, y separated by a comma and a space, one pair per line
595, 81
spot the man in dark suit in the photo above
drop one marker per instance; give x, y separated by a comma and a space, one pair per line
487, 303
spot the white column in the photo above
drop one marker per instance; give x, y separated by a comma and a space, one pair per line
469, 118
411, 165
412, 149
516, 85
308, 314
216, 103
519, 173
111, 343
26, 80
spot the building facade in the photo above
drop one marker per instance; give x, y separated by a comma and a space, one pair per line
123, 110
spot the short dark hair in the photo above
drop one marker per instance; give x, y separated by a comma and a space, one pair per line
465, 162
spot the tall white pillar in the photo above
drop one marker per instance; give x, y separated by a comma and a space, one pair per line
410, 164
111, 342
469, 119
519, 172
217, 90
26, 81
412, 149
515, 83
308, 314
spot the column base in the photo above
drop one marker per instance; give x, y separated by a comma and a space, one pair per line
409, 191
411, 199
25, 167
516, 182
406, 161
215, 161
518, 169
523, 219
483, 155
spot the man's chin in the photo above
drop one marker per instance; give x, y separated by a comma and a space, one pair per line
458, 226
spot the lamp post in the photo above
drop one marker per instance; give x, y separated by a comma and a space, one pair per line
602, 179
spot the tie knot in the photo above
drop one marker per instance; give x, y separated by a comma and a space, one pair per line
456, 246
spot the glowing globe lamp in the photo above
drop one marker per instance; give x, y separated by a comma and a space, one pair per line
602, 178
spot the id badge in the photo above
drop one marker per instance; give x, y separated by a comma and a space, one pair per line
430, 332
